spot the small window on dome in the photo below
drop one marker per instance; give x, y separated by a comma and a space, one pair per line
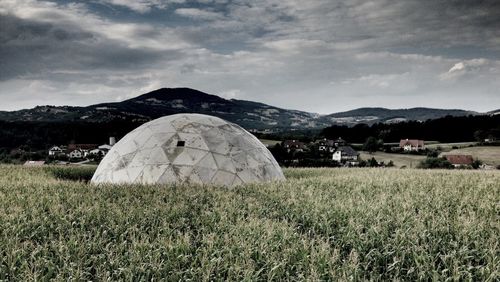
181, 143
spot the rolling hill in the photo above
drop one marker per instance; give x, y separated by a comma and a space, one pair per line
373, 115
251, 115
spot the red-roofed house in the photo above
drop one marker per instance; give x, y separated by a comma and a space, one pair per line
460, 160
294, 145
72, 147
411, 144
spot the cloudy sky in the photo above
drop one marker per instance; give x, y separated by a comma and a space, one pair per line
318, 55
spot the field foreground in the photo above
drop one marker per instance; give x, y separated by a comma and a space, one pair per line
320, 224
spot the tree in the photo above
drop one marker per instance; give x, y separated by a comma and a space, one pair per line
372, 162
431, 162
372, 144
476, 164
479, 135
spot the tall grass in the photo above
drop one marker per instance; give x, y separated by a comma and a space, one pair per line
73, 173
320, 224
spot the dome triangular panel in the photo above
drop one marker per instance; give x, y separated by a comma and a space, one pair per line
190, 148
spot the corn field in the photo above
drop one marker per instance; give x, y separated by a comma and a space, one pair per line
320, 224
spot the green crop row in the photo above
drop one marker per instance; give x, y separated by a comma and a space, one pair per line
319, 224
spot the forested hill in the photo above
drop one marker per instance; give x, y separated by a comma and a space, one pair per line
44, 126
446, 129
251, 115
168, 101
373, 115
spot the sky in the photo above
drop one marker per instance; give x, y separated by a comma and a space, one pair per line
320, 56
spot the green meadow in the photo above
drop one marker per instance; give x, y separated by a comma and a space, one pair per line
319, 224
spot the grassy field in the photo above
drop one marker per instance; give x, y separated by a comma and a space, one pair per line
320, 224
448, 146
269, 142
399, 160
487, 154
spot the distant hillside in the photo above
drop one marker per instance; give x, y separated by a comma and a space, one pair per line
167, 101
495, 112
373, 115
251, 115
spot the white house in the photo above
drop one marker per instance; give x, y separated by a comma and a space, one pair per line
55, 151
76, 154
411, 144
98, 151
85, 152
325, 145
345, 154
105, 147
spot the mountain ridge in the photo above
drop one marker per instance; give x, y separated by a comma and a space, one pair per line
249, 114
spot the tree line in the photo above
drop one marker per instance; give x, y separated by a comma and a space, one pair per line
446, 130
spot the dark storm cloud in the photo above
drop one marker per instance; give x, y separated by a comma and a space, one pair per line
29, 47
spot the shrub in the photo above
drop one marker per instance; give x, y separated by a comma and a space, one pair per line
372, 162
476, 164
432, 162
73, 173
433, 153
372, 144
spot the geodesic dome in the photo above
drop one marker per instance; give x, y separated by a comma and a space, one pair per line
190, 148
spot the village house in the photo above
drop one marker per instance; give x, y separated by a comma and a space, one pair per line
98, 152
339, 142
490, 139
329, 145
411, 144
34, 163
345, 154
325, 145
78, 151
83, 147
76, 154
293, 145
56, 151
459, 160
105, 147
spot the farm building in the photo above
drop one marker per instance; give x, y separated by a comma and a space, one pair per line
86, 147
339, 142
345, 154
105, 148
329, 145
460, 160
77, 151
98, 152
411, 144
56, 151
76, 154
34, 163
188, 148
294, 145
325, 145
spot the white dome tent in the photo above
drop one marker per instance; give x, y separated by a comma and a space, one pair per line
188, 148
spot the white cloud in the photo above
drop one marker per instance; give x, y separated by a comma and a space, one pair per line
460, 69
198, 14
457, 67
142, 6
231, 94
